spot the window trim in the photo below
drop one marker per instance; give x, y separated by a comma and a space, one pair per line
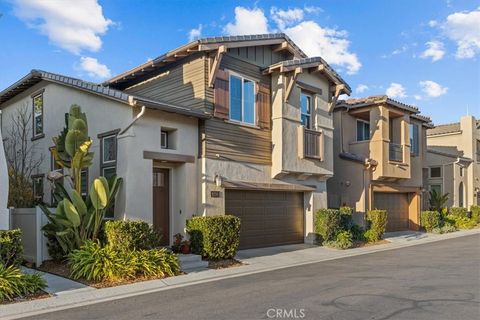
162, 133
310, 98
430, 172
101, 137
42, 134
243, 78
356, 129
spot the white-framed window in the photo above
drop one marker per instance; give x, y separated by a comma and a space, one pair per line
363, 130
37, 181
414, 139
38, 115
436, 187
242, 99
435, 172
164, 139
306, 109
109, 149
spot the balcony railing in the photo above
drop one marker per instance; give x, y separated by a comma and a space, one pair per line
396, 152
312, 144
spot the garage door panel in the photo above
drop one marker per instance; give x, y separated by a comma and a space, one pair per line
397, 208
268, 218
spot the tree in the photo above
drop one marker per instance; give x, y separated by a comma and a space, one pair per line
437, 200
22, 158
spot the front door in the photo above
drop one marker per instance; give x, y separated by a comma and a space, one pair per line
161, 204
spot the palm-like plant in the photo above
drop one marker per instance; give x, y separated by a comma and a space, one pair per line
437, 200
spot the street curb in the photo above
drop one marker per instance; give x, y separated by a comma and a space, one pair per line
79, 299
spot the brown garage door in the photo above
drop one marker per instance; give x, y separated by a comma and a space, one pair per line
268, 218
396, 205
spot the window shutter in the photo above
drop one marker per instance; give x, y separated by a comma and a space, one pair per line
264, 108
221, 108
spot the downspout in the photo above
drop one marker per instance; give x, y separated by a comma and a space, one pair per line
142, 112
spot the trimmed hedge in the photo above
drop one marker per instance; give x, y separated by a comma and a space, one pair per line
377, 220
475, 213
459, 212
328, 222
214, 237
11, 248
131, 235
430, 220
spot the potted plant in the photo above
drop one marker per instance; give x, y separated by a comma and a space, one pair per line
185, 247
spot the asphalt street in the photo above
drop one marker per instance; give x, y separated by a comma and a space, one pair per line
440, 280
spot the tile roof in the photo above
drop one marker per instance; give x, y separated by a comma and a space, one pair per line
444, 128
360, 102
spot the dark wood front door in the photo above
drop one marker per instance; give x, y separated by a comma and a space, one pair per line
161, 203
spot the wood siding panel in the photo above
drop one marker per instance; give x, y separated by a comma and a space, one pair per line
183, 84
238, 143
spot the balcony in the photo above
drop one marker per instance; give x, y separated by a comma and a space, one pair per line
310, 143
395, 152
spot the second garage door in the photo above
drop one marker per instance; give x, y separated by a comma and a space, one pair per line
268, 218
396, 205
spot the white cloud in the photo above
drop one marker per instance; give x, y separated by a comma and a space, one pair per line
464, 29
417, 97
94, 68
284, 18
361, 88
195, 33
396, 90
432, 23
312, 9
72, 25
432, 89
330, 44
247, 22
435, 50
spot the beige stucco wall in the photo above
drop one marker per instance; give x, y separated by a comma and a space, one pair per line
135, 198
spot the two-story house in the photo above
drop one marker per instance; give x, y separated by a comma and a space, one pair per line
453, 160
228, 125
379, 150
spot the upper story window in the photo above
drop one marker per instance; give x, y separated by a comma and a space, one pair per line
461, 171
242, 99
164, 139
435, 172
38, 115
437, 188
306, 110
414, 139
363, 130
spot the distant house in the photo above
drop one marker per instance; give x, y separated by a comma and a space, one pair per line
379, 156
228, 125
453, 158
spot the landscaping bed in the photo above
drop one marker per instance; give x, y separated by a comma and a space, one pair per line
34, 296
225, 263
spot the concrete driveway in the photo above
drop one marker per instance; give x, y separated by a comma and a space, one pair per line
438, 280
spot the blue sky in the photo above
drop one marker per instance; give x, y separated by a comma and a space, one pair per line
424, 52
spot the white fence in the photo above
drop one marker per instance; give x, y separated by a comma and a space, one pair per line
31, 221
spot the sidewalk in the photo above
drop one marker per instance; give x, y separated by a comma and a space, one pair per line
257, 260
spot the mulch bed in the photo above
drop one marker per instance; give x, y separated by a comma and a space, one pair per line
61, 269
35, 296
222, 264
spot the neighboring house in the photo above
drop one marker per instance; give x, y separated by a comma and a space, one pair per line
379, 150
453, 159
233, 125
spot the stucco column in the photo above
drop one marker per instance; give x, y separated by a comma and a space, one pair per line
4, 215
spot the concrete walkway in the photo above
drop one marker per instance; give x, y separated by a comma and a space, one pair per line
257, 260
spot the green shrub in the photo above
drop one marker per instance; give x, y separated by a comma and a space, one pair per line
346, 217
131, 235
377, 220
461, 222
15, 283
475, 213
357, 232
155, 263
97, 263
11, 249
459, 212
214, 237
328, 222
430, 220
344, 240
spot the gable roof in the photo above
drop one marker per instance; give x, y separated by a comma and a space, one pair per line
204, 45
35, 76
288, 65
